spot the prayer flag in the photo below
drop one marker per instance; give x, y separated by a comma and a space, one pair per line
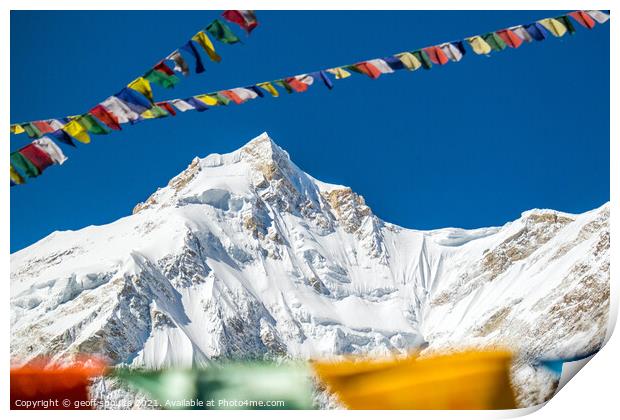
20, 162
120, 110
536, 31
381, 65
43, 127
583, 19
326, 80
564, 20
143, 86
207, 45
269, 88
285, 85
222, 32
368, 69
256, 90
510, 38
31, 130
92, 125
17, 129
479, 45
522, 33
197, 104
56, 124
436, 55
165, 105
37, 156
222, 99
232, 96
16, 178
207, 99
495, 41
162, 79
62, 136
75, 130
134, 100
182, 105
451, 51
52, 150
106, 117
339, 73
598, 16
244, 18
394, 63
191, 49
553, 26
300, 83
409, 60
180, 64
424, 59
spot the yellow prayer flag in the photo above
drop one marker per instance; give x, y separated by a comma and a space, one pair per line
206, 43
17, 129
409, 60
554, 26
473, 380
77, 131
479, 45
16, 177
147, 114
143, 86
339, 72
269, 88
207, 99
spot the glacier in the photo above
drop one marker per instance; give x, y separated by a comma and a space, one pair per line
244, 255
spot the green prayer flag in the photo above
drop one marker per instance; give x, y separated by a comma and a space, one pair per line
222, 32
226, 386
495, 41
159, 112
285, 85
162, 79
20, 162
92, 125
221, 99
32, 131
423, 58
564, 20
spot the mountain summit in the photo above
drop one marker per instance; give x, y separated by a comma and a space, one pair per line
245, 255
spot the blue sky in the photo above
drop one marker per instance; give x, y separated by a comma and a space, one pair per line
469, 144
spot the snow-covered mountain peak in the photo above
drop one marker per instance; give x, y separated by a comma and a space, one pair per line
244, 254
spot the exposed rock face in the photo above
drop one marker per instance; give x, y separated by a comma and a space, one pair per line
245, 255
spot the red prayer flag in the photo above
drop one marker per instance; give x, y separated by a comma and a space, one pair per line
232, 96
297, 85
583, 19
106, 117
436, 55
244, 18
167, 107
510, 38
163, 67
61, 387
369, 70
43, 127
37, 156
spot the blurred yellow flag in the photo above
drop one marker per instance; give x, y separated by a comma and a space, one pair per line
469, 380
77, 131
206, 43
339, 72
479, 45
143, 86
554, 26
207, 99
409, 60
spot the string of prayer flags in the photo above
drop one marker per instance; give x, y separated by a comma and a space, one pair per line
244, 18
222, 32
135, 102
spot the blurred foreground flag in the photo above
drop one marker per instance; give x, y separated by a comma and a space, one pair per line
470, 380
227, 386
40, 385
